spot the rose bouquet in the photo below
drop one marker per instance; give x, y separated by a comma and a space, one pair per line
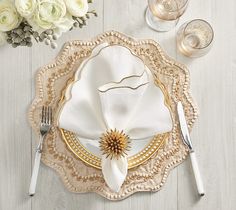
21, 21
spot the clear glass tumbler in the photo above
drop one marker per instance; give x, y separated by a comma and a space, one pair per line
163, 15
195, 38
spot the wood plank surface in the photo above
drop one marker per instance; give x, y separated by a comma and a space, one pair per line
15, 138
214, 135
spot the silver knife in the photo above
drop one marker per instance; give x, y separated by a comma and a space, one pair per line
187, 141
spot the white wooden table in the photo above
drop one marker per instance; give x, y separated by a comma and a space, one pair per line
213, 84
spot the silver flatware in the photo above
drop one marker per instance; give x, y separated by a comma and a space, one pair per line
45, 126
187, 141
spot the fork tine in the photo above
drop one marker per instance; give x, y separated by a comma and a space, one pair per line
45, 114
42, 117
50, 115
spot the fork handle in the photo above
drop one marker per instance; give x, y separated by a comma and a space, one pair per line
35, 171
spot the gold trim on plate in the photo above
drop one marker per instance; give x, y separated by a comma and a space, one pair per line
82, 153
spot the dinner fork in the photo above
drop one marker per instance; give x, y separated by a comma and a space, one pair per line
45, 125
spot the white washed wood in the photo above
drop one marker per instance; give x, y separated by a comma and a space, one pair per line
214, 89
214, 135
15, 143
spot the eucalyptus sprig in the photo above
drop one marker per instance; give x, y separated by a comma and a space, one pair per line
82, 21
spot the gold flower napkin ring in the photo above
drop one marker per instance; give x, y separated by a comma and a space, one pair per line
114, 144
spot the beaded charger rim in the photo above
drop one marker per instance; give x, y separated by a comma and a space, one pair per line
79, 176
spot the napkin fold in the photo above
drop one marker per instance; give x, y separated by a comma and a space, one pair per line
114, 90
114, 171
118, 100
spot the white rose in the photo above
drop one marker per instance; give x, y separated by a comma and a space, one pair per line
25, 7
2, 38
77, 8
64, 25
47, 14
9, 18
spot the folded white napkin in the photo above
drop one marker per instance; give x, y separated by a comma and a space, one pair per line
115, 90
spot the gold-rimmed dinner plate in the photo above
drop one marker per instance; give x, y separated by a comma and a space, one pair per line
88, 150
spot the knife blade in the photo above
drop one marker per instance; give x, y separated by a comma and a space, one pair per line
184, 126
187, 141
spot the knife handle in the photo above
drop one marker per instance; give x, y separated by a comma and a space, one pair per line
197, 174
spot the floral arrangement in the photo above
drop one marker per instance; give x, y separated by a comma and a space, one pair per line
21, 21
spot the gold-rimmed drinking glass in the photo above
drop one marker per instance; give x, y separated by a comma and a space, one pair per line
195, 38
163, 15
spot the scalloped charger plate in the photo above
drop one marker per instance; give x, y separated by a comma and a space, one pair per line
77, 166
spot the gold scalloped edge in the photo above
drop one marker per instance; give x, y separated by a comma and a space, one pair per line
178, 150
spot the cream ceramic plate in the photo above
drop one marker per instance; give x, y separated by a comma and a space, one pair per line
88, 150
51, 81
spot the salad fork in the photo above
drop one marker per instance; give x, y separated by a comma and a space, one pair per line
45, 126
